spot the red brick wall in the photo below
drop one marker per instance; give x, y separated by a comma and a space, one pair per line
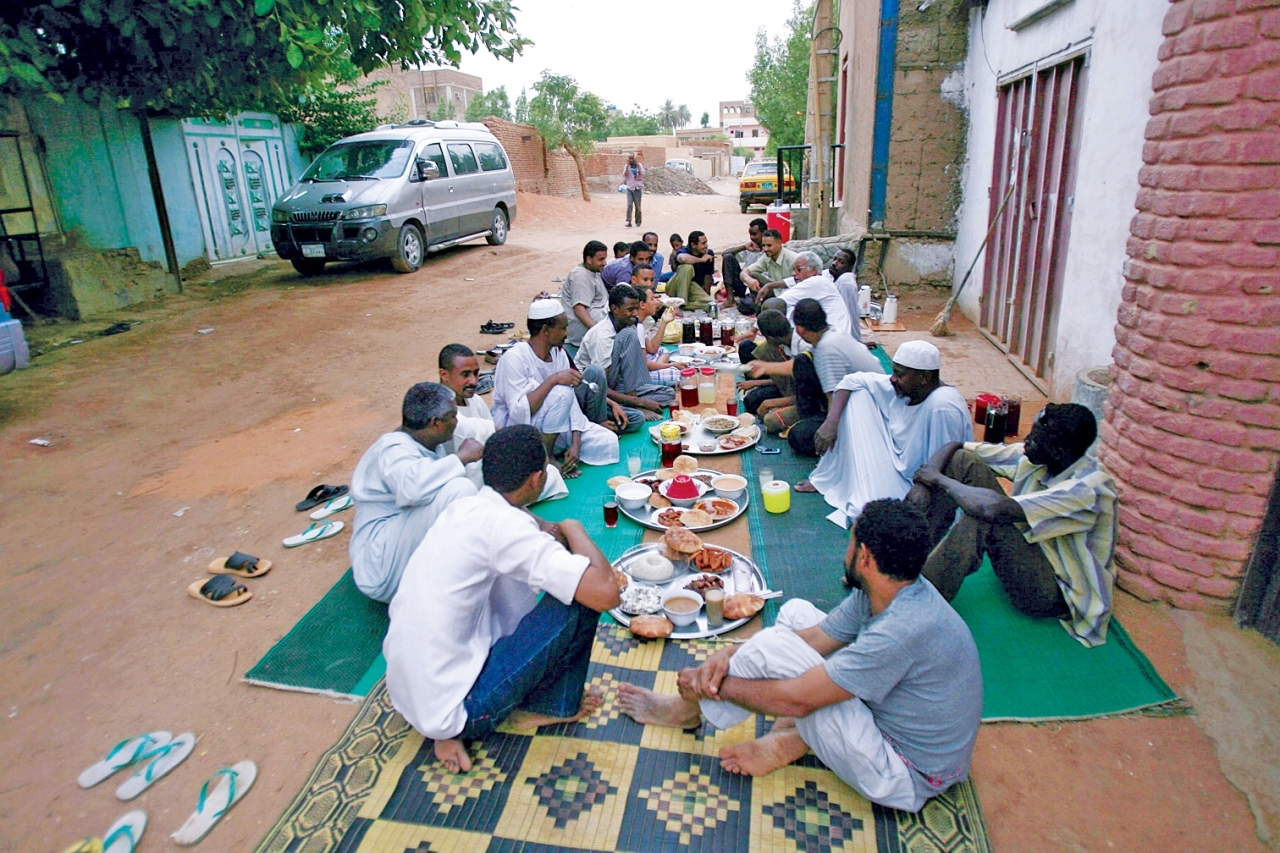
536, 170
1192, 429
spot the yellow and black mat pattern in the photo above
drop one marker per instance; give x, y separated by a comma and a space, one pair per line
605, 783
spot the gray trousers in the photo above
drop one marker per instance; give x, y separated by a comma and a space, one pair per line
633, 198
662, 394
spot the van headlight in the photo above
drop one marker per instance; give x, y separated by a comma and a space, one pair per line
278, 215
367, 212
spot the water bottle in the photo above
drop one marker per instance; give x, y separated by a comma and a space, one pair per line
864, 301
890, 310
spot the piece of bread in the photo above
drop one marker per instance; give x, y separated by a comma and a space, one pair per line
696, 518
746, 419
742, 606
614, 482
664, 474
651, 627
621, 579
709, 412
682, 541
658, 501
685, 465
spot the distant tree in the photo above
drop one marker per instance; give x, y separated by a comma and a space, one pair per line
492, 103
682, 116
567, 118
444, 111
522, 108
668, 115
739, 151
706, 119
779, 80
636, 123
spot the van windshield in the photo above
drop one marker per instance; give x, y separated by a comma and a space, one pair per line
361, 161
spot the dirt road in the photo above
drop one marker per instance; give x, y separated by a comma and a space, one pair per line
171, 447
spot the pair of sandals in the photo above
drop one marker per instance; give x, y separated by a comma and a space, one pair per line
331, 500
222, 590
492, 328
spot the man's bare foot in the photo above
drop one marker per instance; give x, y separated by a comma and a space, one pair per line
805, 486
569, 472
524, 720
453, 755
659, 709
763, 756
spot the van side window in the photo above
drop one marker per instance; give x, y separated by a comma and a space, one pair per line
491, 157
435, 154
464, 162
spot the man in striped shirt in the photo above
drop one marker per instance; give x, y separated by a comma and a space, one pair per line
1051, 541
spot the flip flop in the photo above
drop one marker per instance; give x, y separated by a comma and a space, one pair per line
232, 784
123, 754
124, 834
314, 533
162, 760
219, 591
88, 845
492, 328
319, 495
334, 507
240, 565
485, 385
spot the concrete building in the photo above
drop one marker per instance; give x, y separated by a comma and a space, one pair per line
736, 110
422, 92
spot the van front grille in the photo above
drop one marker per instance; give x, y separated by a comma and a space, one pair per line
315, 215
303, 234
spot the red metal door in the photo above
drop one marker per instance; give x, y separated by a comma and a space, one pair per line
1036, 135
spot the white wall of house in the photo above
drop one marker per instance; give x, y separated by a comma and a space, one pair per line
1122, 39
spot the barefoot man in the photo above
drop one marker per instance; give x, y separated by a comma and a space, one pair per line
470, 645
886, 690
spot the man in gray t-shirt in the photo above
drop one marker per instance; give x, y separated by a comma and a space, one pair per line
583, 294
887, 690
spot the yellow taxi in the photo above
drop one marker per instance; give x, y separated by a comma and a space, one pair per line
759, 184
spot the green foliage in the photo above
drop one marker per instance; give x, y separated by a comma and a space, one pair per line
683, 116
565, 115
444, 111
779, 80
522, 108
494, 103
635, 123
329, 114
706, 119
739, 151
212, 57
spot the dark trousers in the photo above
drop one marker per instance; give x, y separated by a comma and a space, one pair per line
542, 668
1023, 570
731, 275
811, 403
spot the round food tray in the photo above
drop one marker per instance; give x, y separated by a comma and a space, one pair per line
741, 576
646, 514
692, 441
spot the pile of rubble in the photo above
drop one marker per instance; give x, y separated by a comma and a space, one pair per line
662, 181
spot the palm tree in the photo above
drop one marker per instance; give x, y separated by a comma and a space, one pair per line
682, 116
668, 115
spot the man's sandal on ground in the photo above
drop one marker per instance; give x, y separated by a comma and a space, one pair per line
162, 760
314, 533
492, 328
124, 834
123, 754
220, 591
229, 785
319, 495
240, 565
333, 507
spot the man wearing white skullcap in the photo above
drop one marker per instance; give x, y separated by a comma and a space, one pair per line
880, 429
536, 384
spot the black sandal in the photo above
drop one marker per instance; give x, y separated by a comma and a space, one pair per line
319, 495
492, 328
220, 591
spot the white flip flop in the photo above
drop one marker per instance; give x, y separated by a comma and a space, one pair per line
162, 760
124, 834
123, 754
333, 506
314, 533
232, 784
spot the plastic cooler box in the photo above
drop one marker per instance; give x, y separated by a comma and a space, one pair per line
779, 219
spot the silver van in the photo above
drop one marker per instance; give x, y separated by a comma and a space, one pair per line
397, 192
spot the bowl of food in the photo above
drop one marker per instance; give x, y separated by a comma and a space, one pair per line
687, 350
682, 606
640, 598
718, 509
729, 486
720, 424
711, 351
632, 495
682, 490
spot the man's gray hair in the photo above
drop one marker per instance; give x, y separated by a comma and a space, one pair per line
424, 403
811, 259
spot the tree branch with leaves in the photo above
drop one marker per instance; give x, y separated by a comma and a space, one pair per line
567, 118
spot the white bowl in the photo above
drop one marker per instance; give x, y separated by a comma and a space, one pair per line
687, 349
632, 495
679, 618
683, 502
726, 423
729, 486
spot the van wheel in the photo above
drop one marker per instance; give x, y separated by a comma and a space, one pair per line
409, 250
498, 232
743, 205
308, 266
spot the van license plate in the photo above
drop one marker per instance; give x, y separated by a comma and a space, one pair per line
312, 250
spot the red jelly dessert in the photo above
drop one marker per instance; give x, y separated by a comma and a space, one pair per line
681, 487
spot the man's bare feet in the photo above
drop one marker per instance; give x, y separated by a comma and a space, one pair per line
805, 486
569, 472
524, 720
760, 757
659, 709
453, 755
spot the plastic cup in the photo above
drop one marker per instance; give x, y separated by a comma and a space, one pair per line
766, 475
714, 599
633, 462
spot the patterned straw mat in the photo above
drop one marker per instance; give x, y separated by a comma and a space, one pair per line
606, 783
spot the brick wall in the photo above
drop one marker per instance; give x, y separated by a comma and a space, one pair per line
1192, 430
536, 169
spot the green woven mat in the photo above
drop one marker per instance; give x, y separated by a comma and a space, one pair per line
606, 783
336, 648
1031, 668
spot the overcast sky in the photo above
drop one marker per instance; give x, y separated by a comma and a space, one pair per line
625, 52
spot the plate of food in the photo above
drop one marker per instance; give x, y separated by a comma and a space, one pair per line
642, 609
704, 441
707, 511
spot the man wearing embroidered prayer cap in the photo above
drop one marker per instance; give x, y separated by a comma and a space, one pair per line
536, 384
880, 429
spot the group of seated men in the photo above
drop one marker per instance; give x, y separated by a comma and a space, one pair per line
886, 689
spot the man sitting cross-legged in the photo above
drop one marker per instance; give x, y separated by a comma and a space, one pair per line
614, 346
1051, 543
886, 690
469, 642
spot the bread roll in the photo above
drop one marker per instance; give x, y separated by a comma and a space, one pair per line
746, 419
664, 474
742, 606
658, 501
685, 465
682, 541
651, 627
614, 482
696, 518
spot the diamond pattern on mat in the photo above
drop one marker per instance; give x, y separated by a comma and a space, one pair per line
689, 803
451, 790
812, 821
616, 640
570, 789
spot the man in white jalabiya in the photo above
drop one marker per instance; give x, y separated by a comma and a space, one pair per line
460, 373
402, 484
807, 282
880, 429
536, 384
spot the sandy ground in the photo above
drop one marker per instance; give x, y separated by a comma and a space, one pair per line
171, 447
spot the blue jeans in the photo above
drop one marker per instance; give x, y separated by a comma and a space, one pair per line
541, 667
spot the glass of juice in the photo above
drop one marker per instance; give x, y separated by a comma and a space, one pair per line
610, 509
